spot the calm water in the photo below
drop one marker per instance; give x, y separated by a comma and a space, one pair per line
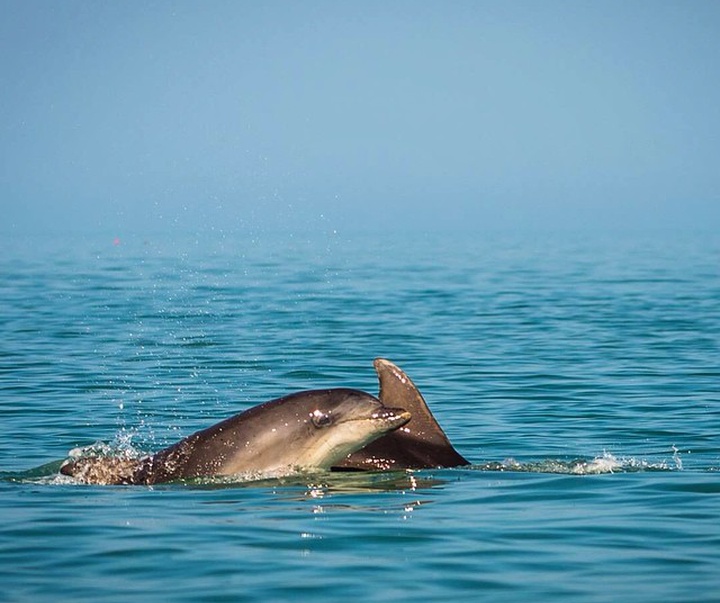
580, 375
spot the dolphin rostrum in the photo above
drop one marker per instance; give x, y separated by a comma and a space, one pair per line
420, 444
303, 431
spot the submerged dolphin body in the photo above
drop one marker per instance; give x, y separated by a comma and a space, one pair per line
420, 444
303, 431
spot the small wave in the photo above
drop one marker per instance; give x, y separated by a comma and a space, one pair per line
606, 463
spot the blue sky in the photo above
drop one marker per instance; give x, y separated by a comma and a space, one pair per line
143, 116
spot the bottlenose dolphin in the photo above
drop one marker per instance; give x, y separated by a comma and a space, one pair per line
420, 444
303, 431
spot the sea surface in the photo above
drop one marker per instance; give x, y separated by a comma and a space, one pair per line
579, 374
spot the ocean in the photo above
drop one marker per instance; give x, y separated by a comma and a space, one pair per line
580, 374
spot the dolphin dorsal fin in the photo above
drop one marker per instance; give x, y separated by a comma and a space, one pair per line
421, 444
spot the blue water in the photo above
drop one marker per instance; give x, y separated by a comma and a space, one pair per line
580, 375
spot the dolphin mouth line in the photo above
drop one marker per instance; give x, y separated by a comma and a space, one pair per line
392, 416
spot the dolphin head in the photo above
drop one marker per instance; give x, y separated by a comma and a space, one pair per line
339, 422
306, 430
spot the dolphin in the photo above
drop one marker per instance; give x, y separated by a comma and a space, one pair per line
420, 444
303, 431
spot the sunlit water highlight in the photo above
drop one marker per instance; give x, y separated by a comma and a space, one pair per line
580, 376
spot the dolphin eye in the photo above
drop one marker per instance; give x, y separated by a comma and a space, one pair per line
320, 419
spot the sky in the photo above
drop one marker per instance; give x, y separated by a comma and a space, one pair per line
131, 117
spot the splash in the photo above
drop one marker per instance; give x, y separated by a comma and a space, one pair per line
676, 458
120, 447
